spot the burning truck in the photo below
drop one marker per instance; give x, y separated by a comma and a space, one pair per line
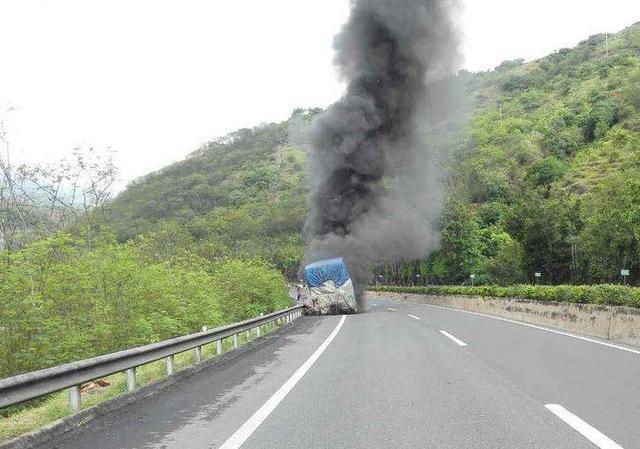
330, 287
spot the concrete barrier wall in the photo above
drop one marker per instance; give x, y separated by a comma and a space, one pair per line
615, 323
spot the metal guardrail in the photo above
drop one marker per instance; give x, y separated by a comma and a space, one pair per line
23, 387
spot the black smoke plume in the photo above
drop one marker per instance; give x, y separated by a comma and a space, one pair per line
374, 189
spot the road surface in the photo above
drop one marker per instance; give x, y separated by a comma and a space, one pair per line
399, 376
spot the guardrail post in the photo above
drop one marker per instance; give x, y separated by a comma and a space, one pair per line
74, 398
170, 365
235, 340
131, 379
218, 347
257, 331
197, 352
247, 334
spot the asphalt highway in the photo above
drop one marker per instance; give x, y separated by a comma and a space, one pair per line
398, 376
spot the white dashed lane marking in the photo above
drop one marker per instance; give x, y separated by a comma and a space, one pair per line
455, 339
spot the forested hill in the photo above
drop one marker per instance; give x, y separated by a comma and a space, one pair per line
546, 179
242, 195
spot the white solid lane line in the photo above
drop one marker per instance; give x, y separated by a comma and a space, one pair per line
391, 308
455, 339
586, 430
413, 316
240, 436
546, 329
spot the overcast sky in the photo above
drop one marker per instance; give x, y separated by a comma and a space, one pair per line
154, 79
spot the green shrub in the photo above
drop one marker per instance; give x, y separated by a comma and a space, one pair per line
62, 301
249, 288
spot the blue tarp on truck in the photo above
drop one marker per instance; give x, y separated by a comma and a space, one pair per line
330, 286
317, 273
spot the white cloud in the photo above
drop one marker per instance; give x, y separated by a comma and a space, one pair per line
497, 30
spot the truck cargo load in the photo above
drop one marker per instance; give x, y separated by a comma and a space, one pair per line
330, 287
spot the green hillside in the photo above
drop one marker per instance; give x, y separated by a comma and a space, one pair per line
240, 196
545, 179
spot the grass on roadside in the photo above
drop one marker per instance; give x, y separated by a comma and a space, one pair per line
56, 405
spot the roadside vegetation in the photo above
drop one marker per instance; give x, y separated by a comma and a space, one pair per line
64, 301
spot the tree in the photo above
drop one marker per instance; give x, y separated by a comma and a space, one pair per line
75, 191
18, 210
544, 173
460, 251
612, 227
605, 112
38, 201
505, 264
544, 227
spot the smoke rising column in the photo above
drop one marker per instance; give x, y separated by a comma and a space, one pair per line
369, 166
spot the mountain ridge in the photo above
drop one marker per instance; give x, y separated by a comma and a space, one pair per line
553, 132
